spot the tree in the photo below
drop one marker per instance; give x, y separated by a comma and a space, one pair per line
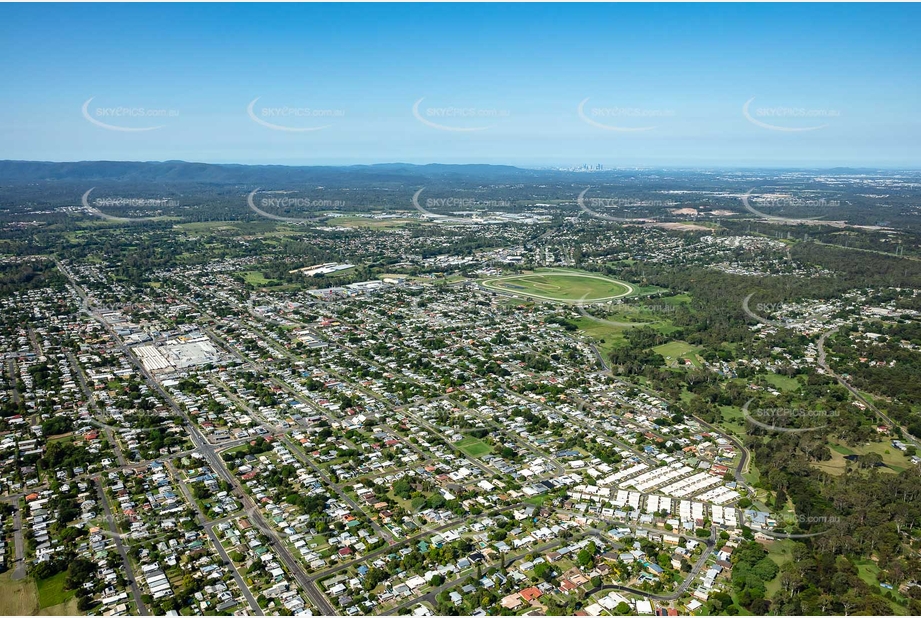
79, 571
403, 489
436, 501
544, 571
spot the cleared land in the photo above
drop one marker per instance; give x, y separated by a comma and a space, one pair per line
255, 277
51, 591
869, 571
561, 285
894, 460
359, 221
607, 335
780, 552
678, 350
783, 382
607, 326
17, 598
23, 598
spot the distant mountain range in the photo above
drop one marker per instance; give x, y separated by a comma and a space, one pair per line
16, 172
406, 174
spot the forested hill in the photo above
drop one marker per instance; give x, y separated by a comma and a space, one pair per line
15, 172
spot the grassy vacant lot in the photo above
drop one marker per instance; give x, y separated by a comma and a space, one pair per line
234, 228
780, 552
473, 446
607, 335
51, 591
19, 598
561, 285
254, 277
894, 459
359, 221
733, 420
868, 570
538, 500
782, 383
675, 350
23, 598
639, 315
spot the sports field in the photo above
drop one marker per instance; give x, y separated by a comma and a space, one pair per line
561, 285
473, 447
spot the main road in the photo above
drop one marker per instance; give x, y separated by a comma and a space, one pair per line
19, 570
91, 402
209, 529
209, 451
820, 359
116, 537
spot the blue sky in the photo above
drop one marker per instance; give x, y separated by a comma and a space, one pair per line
500, 83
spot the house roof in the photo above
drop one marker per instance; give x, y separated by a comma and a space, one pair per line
529, 594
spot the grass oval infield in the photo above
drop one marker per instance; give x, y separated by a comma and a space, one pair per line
562, 286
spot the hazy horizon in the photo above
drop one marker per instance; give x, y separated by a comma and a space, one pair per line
560, 166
